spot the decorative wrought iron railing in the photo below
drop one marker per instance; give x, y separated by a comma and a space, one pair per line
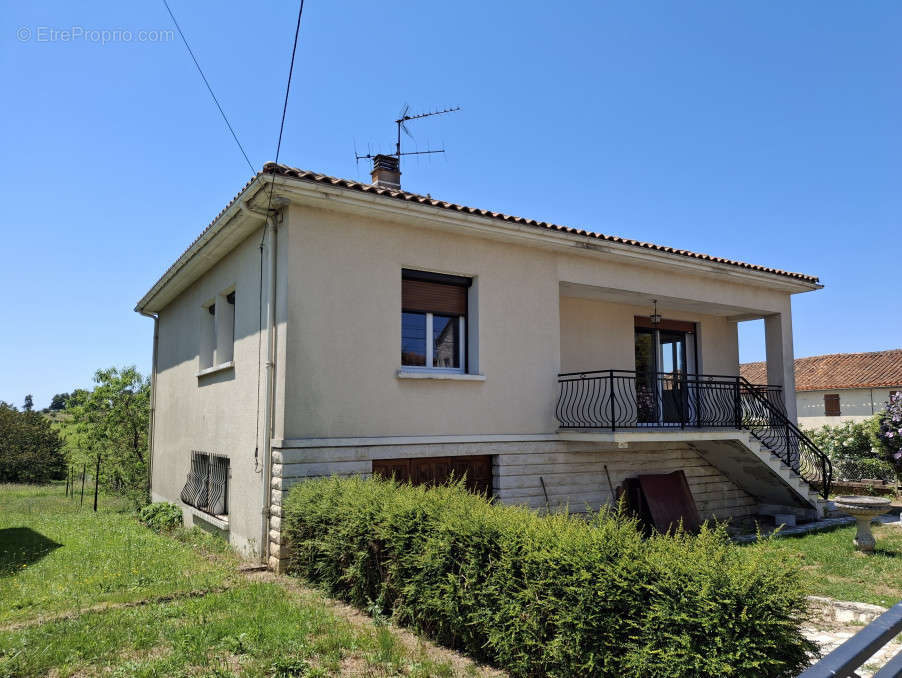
208, 482
845, 659
623, 399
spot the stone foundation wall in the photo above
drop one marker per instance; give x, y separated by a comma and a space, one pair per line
573, 474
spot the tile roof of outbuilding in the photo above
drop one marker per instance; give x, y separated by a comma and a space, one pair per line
838, 371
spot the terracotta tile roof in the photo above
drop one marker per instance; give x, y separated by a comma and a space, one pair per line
838, 370
306, 175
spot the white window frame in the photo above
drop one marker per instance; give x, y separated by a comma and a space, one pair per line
462, 349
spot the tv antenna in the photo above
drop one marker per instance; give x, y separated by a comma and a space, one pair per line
403, 117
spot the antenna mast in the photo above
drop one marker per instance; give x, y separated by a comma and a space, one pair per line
403, 117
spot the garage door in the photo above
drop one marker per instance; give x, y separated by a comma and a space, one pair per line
438, 470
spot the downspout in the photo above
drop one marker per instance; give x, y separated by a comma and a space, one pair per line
269, 381
153, 398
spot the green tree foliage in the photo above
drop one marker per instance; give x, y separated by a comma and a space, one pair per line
553, 595
30, 450
29, 403
111, 421
58, 402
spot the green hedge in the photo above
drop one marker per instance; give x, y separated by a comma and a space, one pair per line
548, 595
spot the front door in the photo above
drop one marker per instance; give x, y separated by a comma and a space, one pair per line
661, 368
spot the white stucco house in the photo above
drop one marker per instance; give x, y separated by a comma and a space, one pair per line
324, 326
831, 389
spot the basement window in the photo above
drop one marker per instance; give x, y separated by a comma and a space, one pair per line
207, 486
434, 322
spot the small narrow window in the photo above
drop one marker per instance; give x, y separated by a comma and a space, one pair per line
831, 404
225, 329
207, 336
217, 332
433, 320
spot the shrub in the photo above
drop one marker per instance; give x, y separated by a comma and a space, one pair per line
30, 450
863, 469
161, 516
848, 440
888, 434
552, 595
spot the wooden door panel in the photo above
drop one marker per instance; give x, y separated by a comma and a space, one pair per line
438, 470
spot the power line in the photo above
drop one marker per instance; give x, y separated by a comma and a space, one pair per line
210, 89
294, 50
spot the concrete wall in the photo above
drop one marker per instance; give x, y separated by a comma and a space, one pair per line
344, 341
343, 276
215, 413
599, 335
855, 404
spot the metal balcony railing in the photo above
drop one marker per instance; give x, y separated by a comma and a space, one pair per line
623, 399
843, 661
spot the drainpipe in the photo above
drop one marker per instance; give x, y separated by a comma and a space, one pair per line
270, 237
153, 396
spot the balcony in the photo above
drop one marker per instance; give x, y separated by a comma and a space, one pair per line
623, 400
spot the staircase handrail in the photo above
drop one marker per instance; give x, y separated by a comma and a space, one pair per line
784, 421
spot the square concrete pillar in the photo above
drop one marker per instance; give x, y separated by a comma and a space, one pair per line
781, 358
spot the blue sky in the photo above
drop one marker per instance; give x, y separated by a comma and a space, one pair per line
767, 132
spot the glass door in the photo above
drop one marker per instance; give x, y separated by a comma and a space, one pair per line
674, 398
661, 368
647, 405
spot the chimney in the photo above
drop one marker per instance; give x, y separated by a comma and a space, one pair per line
387, 172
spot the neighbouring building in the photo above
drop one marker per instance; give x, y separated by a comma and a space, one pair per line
323, 326
839, 387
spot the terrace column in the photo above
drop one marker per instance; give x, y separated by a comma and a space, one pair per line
780, 358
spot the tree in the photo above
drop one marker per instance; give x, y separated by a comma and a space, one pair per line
111, 421
30, 450
29, 403
59, 401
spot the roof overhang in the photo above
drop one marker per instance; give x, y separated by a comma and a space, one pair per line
246, 213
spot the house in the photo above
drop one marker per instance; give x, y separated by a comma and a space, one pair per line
840, 387
323, 326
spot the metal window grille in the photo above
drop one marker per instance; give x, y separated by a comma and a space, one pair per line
207, 485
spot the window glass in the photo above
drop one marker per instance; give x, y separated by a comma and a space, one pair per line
413, 339
445, 341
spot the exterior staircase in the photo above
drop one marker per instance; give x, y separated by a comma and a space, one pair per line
754, 467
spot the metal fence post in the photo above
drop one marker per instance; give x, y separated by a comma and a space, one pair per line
84, 470
737, 406
96, 482
611, 396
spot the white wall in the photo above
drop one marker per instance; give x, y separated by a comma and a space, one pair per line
214, 413
854, 405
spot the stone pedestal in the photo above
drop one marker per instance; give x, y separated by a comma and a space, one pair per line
863, 509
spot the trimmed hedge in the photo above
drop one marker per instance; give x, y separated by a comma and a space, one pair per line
548, 595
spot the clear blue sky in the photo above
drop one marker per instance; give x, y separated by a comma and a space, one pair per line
768, 132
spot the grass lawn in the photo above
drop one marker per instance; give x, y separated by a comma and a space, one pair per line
832, 567
57, 562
